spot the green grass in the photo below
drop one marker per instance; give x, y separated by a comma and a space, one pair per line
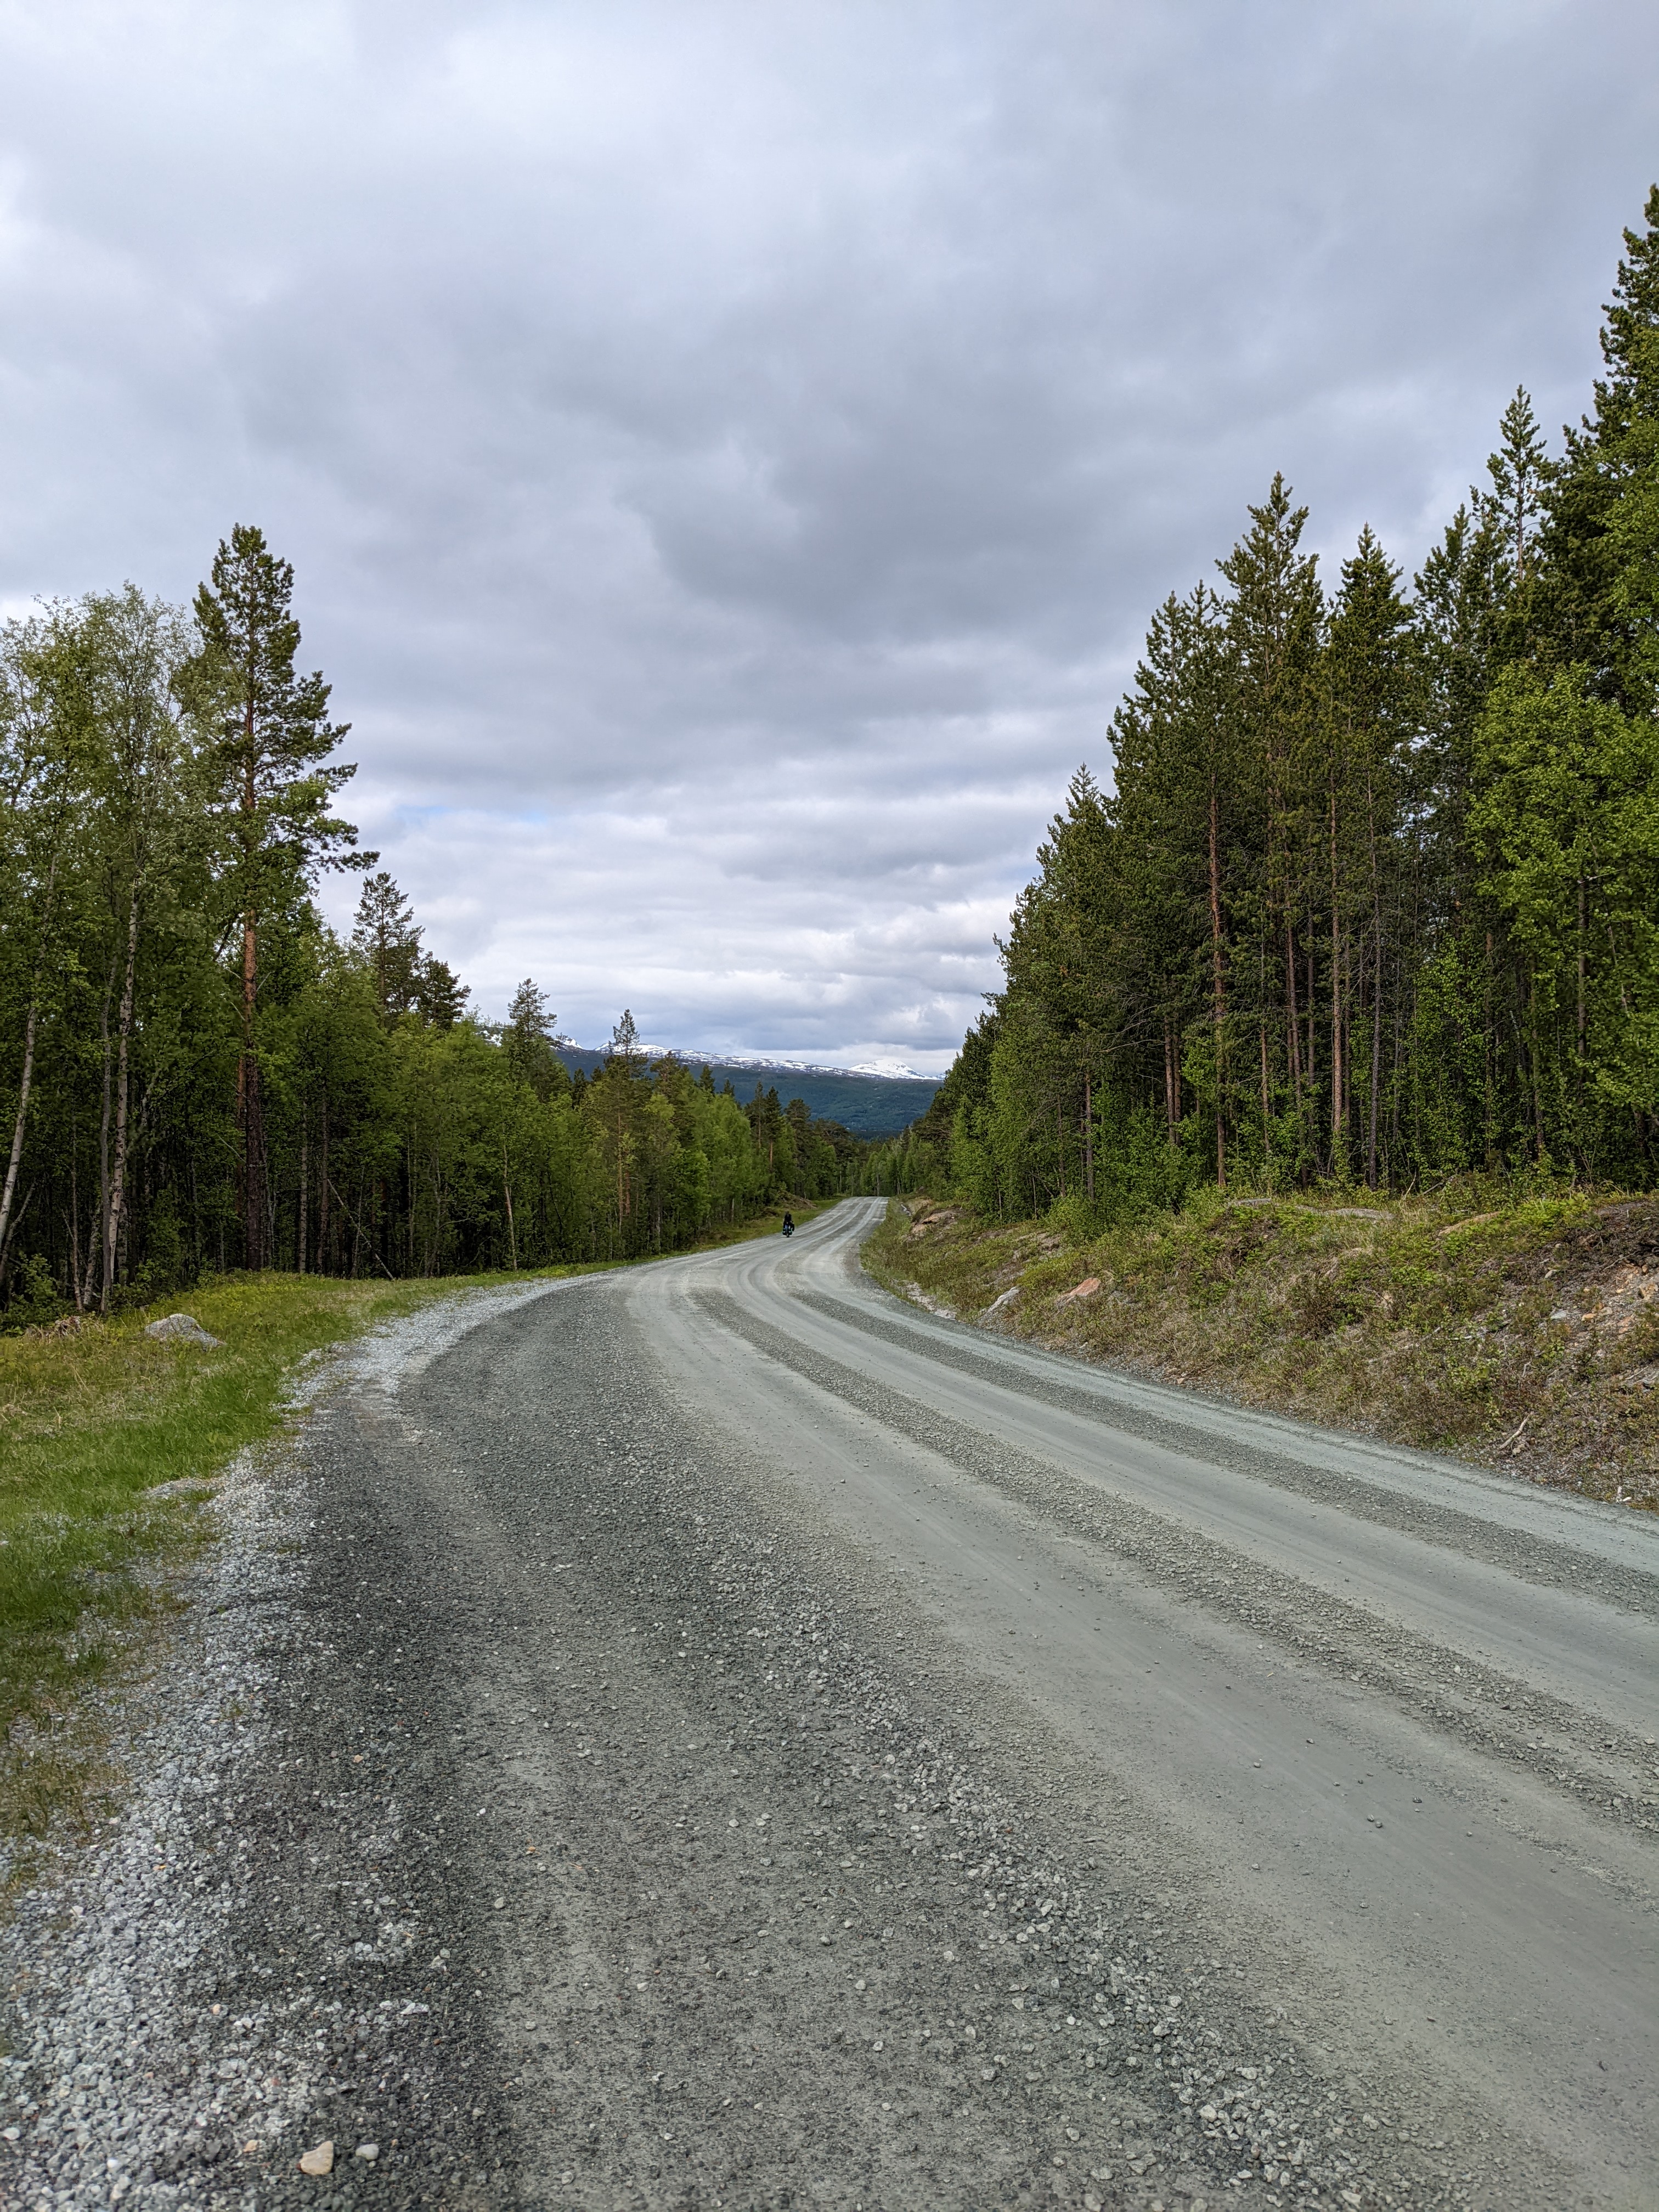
90, 1425
1520, 1332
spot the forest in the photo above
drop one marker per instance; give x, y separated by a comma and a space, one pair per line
199, 1075
1371, 896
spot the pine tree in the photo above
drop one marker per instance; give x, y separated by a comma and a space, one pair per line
624, 1047
271, 779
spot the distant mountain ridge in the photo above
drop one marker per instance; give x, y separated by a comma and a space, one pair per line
877, 1100
886, 1071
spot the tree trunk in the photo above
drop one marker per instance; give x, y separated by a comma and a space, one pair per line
1377, 1064
1217, 980
74, 1227
301, 1224
360, 1237
1537, 1062
1292, 1023
117, 1187
322, 1197
1579, 1072
1489, 1058
1088, 1138
95, 1245
17, 1220
1266, 1107
1376, 980
8, 1196
512, 1233
1337, 1061
1171, 1083
249, 1116
249, 1119
15, 1161
105, 1110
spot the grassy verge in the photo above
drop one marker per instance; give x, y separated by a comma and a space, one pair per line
92, 1424
1523, 1334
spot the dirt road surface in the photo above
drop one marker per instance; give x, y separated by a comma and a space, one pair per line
714, 1736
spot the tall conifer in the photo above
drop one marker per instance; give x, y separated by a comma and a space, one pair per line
272, 781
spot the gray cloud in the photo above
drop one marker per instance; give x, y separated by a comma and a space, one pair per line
730, 454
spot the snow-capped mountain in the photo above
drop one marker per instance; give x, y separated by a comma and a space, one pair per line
884, 1070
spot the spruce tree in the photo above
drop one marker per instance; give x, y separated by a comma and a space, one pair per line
1272, 625
386, 938
440, 995
1374, 688
1179, 811
1603, 501
1519, 473
527, 1040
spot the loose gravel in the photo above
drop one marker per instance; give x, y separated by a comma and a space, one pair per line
1612, 1773
184, 1997
537, 1804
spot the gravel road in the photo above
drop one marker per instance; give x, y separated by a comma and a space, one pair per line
711, 1736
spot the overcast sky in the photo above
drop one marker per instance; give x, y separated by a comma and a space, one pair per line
729, 452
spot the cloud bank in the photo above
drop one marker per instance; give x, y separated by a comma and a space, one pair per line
729, 454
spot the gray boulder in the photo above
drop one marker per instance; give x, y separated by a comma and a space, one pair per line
182, 1328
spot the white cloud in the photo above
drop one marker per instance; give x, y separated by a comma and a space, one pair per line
730, 454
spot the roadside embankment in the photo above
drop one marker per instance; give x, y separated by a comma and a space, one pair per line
1522, 1335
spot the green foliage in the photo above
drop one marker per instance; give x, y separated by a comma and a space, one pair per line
1567, 827
196, 1075
266, 759
1374, 894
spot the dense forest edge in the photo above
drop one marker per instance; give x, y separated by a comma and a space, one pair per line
200, 1076
1372, 900
1325, 1069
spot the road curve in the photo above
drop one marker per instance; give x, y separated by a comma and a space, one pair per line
712, 1735
1400, 1713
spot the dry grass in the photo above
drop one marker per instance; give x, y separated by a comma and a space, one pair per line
1524, 1335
